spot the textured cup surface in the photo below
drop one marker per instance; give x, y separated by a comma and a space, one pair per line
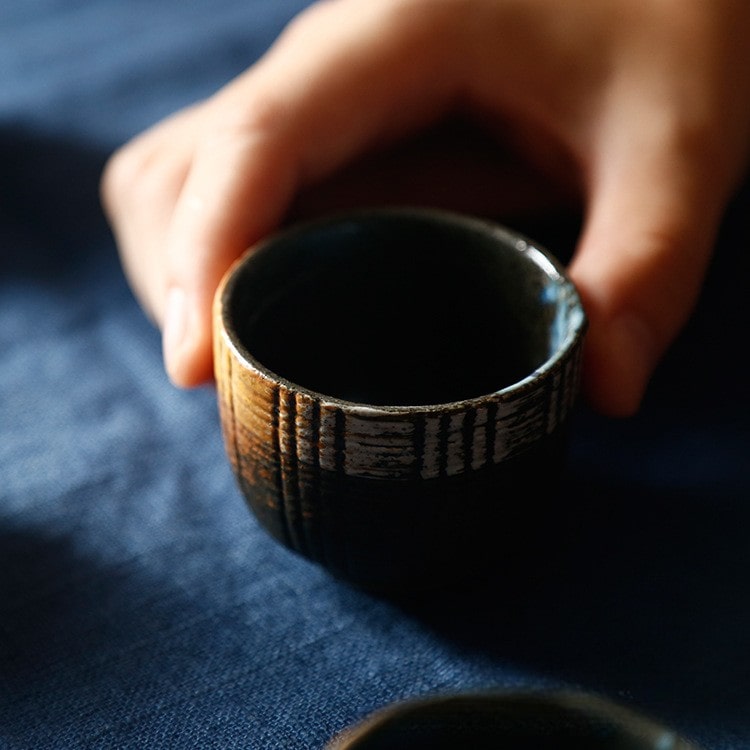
395, 388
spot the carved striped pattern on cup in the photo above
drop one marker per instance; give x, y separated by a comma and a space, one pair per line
272, 439
284, 438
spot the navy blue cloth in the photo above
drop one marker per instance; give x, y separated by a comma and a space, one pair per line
141, 606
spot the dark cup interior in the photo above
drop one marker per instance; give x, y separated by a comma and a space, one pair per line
403, 309
520, 722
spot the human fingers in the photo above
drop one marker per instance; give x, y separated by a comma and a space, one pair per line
344, 78
655, 207
139, 188
668, 147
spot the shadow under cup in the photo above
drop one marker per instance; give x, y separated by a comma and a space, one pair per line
394, 387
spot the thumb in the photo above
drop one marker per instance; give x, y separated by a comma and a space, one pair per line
652, 216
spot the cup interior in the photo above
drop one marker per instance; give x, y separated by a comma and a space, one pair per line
400, 308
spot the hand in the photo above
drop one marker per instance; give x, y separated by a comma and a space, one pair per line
637, 109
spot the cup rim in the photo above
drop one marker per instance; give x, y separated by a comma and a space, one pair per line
538, 254
628, 721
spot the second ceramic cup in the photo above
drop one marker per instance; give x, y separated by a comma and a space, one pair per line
395, 388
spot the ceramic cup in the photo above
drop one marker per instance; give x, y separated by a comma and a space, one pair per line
555, 720
395, 388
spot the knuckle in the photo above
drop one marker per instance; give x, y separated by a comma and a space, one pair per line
123, 174
139, 177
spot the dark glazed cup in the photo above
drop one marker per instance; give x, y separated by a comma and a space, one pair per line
395, 388
556, 720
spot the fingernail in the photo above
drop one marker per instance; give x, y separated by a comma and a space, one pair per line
175, 330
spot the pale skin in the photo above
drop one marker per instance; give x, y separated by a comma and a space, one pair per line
638, 111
